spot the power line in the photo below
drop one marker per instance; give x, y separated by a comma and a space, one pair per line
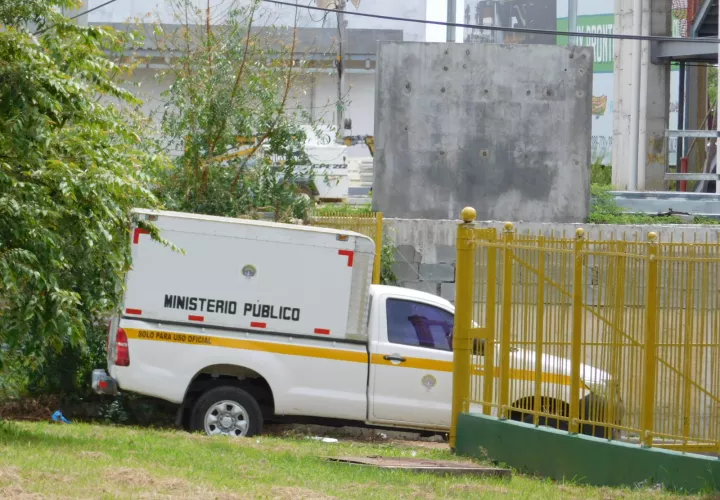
529, 31
40, 32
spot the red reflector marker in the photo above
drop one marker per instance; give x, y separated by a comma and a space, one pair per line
136, 312
258, 325
349, 254
322, 331
196, 318
136, 234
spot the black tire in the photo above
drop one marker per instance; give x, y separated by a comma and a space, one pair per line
553, 423
227, 393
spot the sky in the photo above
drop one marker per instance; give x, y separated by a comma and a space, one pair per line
437, 11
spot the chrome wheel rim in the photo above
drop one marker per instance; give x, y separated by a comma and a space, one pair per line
227, 418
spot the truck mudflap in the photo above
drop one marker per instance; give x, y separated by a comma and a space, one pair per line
102, 383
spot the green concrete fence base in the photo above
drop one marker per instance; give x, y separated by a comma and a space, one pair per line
583, 459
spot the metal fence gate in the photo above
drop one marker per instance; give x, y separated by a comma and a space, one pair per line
369, 224
612, 337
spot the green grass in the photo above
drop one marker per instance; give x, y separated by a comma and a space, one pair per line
85, 461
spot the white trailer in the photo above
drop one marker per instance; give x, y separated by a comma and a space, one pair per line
248, 275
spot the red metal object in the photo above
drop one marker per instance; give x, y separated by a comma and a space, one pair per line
683, 170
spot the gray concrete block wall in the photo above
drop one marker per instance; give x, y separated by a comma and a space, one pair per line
483, 124
426, 253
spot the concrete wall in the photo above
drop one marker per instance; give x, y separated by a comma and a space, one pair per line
564, 457
654, 113
504, 128
425, 259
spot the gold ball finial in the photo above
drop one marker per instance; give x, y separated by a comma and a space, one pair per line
509, 226
468, 215
652, 237
579, 232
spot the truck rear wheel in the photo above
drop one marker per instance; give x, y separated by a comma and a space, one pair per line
227, 411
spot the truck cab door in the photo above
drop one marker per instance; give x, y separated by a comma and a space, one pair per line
411, 364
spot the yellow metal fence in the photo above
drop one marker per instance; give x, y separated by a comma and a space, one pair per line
370, 224
613, 337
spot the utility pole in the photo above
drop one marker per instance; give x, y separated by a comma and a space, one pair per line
451, 18
717, 124
572, 19
636, 94
499, 35
340, 64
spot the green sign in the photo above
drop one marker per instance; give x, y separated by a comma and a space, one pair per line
603, 47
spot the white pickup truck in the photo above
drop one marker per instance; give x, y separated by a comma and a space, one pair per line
254, 320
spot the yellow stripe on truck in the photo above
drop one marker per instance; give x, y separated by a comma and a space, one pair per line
322, 353
447, 366
248, 345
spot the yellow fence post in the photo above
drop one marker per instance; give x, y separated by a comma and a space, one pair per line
539, 326
507, 304
648, 399
490, 316
618, 325
688, 349
462, 344
377, 265
576, 342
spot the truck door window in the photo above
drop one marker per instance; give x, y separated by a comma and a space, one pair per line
416, 324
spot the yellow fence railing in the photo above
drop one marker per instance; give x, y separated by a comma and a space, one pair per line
615, 337
370, 224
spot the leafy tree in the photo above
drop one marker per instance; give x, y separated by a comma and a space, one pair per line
227, 111
72, 166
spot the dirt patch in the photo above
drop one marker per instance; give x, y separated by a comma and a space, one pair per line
349, 433
138, 478
94, 454
292, 493
14, 489
15, 492
151, 486
479, 488
10, 475
38, 409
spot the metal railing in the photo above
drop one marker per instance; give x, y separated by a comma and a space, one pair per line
369, 224
615, 337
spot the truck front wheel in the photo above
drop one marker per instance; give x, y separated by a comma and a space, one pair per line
227, 411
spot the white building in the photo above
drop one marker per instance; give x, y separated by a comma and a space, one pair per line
317, 32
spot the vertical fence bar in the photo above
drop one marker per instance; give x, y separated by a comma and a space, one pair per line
576, 342
490, 319
688, 354
617, 329
648, 397
539, 326
462, 344
377, 265
507, 307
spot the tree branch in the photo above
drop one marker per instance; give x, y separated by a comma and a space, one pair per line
238, 78
281, 110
